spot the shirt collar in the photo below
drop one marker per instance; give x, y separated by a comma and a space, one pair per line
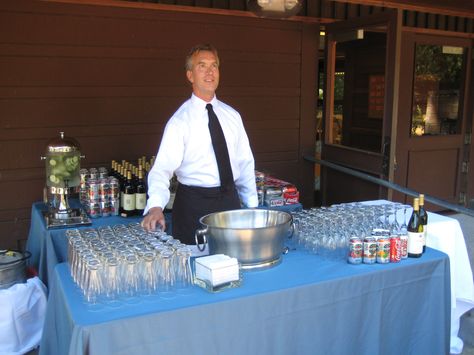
201, 103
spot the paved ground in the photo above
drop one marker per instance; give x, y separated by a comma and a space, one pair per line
466, 331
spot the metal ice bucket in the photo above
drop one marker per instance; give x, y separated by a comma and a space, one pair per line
256, 237
12, 267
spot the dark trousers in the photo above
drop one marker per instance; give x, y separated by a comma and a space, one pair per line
192, 202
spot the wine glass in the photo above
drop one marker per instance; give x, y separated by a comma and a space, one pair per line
404, 227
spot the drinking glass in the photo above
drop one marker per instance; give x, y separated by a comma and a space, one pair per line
93, 283
404, 227
112, 280
131, 278
183, 270
166, 274
148, 273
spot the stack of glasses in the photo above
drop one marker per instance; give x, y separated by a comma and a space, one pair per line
121, 263
326, 231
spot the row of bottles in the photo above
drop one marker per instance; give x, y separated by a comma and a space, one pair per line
133, 187
417, 228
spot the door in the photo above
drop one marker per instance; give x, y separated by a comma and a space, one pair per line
359, 80
432, 154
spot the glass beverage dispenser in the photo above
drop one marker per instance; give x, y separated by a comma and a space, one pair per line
62, 161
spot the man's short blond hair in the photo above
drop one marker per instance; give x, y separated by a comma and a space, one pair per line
195, 50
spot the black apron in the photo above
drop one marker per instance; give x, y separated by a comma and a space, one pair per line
193, 202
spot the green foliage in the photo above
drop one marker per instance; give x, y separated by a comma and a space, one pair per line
430, 61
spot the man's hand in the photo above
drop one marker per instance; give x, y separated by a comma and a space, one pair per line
154, 217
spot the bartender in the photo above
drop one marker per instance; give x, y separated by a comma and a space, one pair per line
205, 145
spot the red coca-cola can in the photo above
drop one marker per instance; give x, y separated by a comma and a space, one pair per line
395, 249
404, 246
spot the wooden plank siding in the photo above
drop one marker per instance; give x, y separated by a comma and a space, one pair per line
111, 77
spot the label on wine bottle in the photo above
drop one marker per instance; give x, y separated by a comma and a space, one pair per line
128, 202
415, 243
140, 201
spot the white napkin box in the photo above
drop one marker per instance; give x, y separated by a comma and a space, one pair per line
216, 270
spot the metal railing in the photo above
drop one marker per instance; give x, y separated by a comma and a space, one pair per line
391, 185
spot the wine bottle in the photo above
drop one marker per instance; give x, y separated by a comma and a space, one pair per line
140, 194
121, 184
415, 232
423, 219
112, 168
128, 197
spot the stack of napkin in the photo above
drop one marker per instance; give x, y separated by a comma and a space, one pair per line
217, 269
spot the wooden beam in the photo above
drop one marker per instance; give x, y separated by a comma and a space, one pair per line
459, 8
182, 8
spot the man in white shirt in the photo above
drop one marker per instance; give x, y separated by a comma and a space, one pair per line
188, 150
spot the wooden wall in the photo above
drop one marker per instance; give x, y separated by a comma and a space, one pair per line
111, 76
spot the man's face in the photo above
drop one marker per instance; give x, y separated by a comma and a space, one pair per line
204, 76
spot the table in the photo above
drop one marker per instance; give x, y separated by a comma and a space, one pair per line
305, 305
48, 247
445, 234
440, 231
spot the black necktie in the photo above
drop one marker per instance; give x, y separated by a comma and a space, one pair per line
220, 149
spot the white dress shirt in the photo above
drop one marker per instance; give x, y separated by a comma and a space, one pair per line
186, 150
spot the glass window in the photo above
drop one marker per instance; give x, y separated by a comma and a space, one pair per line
437, 90
359, 89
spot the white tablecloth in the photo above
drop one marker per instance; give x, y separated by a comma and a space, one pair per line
23, 310
445, 234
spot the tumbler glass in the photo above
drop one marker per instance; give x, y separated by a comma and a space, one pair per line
183, 270
166, 274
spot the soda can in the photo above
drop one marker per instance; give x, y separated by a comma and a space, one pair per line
259, 179
104, 189
370, 250
114, 206
395, 252
114, 188
272, 191
274, 201
105, 208
93, 173
383, 250
83, 194
355, 251
289, 189
94, 209
404, 246
84, 175
93, 190
103, 172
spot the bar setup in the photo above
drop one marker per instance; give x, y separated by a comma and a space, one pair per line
276, 279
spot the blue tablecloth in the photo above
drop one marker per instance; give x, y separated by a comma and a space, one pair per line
48, 247
306, 305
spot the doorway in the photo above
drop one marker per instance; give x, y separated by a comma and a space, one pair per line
432, 147
358, 92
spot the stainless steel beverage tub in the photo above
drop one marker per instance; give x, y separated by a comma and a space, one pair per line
256, 237
12, 267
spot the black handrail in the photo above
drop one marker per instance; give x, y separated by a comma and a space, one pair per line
391, 185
